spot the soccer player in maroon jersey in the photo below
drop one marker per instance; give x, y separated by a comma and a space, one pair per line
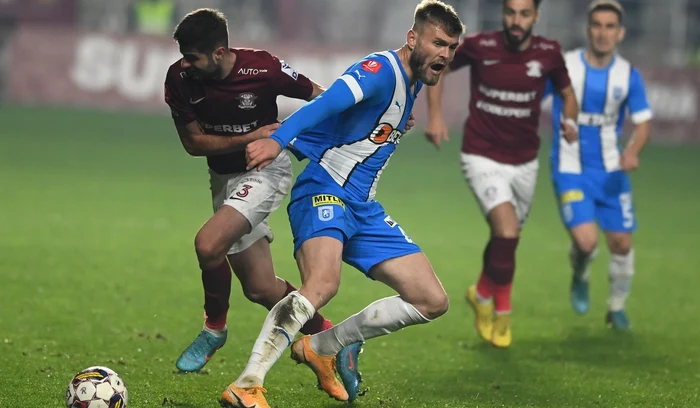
221, 99
509, 70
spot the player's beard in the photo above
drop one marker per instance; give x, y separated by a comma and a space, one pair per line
513, 41
213, 71
417, 62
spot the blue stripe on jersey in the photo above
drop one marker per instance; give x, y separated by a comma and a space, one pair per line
594, 100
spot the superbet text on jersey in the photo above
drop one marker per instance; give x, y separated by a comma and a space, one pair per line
506, 91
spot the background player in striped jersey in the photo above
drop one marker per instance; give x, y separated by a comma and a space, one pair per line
349, 133
509, 72
221, 99
590, 178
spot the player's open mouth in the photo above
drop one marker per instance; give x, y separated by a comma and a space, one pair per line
437, 68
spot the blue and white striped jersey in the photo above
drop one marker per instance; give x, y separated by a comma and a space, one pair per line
604, 95
352, 129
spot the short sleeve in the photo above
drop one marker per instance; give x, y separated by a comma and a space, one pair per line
289, 82
637, 101
180, 108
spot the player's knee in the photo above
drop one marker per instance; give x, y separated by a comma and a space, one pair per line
434, 305
262, 295
586, 246
319, 290
208, 253
620, 247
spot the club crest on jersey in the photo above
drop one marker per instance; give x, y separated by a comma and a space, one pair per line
371, 66
534, 69
617, 93
247, 100
325, 213
385, 133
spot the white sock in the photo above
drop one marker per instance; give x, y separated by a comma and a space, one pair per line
580, 262
281, 325
620, 272
380, 318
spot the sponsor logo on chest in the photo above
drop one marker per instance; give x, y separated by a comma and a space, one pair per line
244, 128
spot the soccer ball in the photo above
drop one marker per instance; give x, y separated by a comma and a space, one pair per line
96, 387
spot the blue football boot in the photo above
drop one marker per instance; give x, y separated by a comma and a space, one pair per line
579, 296
346, 365
197, 354
617, 320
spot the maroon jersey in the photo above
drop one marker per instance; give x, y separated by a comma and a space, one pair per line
506, 92
240, 103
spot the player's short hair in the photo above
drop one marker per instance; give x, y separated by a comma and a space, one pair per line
202, 30
537, 3
606, 5
439, 13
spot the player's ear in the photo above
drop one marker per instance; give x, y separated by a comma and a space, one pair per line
411, 39
219, 53
621, 34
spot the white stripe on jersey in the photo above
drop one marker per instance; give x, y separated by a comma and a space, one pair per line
340, 161
351, 82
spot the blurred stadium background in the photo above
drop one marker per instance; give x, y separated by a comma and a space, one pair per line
112, 53
100, 204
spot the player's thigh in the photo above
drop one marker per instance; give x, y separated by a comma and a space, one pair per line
524, 184
615, 208
254, 269
319, 259
256, 194
489, 181
577, 203
321, 224
413, 278
378, 238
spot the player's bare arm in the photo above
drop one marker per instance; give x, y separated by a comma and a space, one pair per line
317, 90
198, 143
569, 122
436, 129
629, 159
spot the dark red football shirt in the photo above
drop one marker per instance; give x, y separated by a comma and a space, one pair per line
240, 103
506, 91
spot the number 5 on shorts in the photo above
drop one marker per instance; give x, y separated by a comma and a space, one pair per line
626, 205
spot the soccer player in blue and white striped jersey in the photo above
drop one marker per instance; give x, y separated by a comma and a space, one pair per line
590, 178
349, 133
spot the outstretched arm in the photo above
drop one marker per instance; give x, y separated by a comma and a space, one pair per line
361, 82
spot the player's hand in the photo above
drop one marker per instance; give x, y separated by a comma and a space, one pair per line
629, 161
410, 123
266, 131
260, 153
569, 132
436, 131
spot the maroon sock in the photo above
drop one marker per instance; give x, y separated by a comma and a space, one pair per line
499, 267
217, 290
484, 288
316, 324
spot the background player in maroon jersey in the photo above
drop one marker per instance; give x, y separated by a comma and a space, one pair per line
509, 70
221, 99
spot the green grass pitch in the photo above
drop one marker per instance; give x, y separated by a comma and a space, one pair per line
97, 267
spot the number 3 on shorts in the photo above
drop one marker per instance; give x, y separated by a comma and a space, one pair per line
243, 192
